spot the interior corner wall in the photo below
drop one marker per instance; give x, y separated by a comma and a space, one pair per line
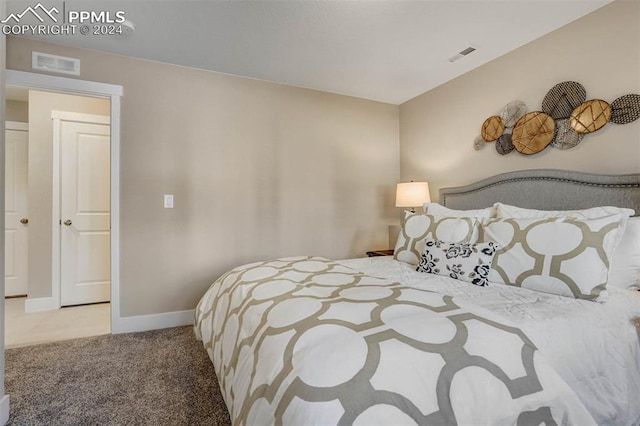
4, 406
258, 170
41, 179
17, 111
600, 50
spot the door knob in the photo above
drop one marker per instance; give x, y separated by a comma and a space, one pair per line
24, 221
67, 222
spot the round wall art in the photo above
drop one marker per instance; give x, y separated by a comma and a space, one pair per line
590, 116
565, 136
492, 128
625, 109
504, 145
565, 117
533, 132
562, 99
479, 143
512, 113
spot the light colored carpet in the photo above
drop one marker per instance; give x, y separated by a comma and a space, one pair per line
149, 378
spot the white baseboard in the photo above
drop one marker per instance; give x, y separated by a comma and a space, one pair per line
123, 324
151, 322
4, 410
40, 304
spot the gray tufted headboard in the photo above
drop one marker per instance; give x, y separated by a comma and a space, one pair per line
547, 189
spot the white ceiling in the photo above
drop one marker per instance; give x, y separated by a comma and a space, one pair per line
385, 50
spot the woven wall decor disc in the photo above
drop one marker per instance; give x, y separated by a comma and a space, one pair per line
504, 145
562, 99
479, 143
565, 136
492, 128
533, 132
512, 112
590, 116
625, 109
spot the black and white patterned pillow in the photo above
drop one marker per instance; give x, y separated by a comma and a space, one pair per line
461, 261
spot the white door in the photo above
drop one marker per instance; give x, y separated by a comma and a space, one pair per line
84, 213
15, 198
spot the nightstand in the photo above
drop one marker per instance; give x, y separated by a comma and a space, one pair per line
380, 253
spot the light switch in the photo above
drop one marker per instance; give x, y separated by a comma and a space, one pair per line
168, 201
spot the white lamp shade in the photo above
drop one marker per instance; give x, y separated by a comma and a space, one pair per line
412, 194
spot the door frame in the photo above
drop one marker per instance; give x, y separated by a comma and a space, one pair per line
57, 118
100, 90
16, 126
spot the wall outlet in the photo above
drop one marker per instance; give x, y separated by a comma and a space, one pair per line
168, 201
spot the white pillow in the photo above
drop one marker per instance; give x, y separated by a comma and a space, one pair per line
625, 264
438, 210
565, 256
416, 227
504, 210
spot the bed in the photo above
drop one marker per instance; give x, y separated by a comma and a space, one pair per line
415, 339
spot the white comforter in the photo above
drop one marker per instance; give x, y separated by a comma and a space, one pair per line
593, 346
308, 341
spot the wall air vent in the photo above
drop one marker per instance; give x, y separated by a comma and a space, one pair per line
53, 63
462, 54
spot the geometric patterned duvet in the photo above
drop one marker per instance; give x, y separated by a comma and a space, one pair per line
301, 341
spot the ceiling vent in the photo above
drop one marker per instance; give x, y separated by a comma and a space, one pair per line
53, 63
462, 54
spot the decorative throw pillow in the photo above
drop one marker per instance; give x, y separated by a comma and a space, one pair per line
438, 210
416, 227
460, 261
565, 256
625, 264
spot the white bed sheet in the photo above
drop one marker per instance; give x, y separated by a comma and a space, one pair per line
593, 346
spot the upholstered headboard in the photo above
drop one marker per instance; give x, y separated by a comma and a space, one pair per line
547, 189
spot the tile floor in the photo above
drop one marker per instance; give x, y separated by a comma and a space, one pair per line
23, 329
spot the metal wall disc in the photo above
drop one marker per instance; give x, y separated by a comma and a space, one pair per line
562, 99
504, 145
512, 113
492, 128
625, 109
590, 116
533, 132
478, 143
565, 137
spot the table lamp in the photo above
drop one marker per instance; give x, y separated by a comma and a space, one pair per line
412, 194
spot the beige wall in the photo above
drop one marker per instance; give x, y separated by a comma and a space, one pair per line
601, 51
17, 111
40, 179
3, 416
258, 170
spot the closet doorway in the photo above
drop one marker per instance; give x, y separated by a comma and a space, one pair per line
57, 164
16, 211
